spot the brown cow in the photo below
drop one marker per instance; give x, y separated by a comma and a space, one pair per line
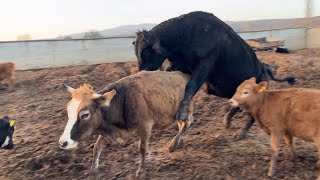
7, 72
132, 105
281, 113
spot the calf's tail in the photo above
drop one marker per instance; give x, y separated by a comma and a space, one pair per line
289, 79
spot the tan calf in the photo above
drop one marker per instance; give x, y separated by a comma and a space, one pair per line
283, 113
7, 73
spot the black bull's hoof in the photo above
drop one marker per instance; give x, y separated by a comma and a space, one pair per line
182, 114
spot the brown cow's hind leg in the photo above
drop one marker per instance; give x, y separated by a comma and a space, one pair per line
144, 135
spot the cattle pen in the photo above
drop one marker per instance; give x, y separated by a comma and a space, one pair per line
38, 110
38, 105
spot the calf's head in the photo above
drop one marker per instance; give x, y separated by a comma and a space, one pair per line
6, 133
149, 51
247, 92
84, 114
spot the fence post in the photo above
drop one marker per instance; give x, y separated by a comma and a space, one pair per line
307, 21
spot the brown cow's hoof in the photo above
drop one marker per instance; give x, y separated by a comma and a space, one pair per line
94, 171
239, 135
271, 172
141, 173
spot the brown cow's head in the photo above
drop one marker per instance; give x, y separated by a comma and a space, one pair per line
247, 92
149, 51
84, 114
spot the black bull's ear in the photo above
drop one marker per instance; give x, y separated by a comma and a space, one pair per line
134, 42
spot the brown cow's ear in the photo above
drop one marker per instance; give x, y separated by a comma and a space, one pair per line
96, 96
262, 86
107, 97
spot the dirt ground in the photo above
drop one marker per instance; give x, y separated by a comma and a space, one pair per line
38, 104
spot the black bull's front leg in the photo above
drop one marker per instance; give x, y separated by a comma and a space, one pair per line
198, 77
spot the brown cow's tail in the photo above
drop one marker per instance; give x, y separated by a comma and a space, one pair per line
289, 79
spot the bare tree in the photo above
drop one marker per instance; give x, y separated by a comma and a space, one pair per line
67, 37
24, 37
92, 34
60, 36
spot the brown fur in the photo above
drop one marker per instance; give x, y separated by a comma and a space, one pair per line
84, 92
284, 113
137, 104
7, 72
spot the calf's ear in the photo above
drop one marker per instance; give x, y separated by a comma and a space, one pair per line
107, 97
11, 123
262, 86
253, 79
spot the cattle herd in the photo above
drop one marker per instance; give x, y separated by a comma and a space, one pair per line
201, 49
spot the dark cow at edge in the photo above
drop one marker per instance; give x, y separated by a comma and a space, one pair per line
6, 133
209, 50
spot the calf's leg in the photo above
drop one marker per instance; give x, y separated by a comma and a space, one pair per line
288, 139
317, 142
11, 83
274, 142
11, 80
98, 146
183, 126
144, 135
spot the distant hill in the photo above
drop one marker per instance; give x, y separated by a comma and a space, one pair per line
238, 26
126, 30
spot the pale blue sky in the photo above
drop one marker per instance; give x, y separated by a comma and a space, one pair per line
49, 18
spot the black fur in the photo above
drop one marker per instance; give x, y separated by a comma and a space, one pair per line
282, 50
6, 130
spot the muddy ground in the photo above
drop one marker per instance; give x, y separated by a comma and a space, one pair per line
38, 106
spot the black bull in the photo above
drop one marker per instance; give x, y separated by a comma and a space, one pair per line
209, 50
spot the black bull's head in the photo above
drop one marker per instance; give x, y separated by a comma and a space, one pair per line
150, 54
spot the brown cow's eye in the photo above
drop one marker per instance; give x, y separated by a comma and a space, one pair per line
85, 114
